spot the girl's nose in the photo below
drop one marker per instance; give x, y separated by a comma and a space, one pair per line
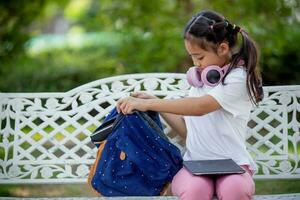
195, 62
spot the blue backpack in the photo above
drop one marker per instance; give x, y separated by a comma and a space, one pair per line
136, 158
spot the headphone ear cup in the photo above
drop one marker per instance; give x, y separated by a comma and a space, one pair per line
193, 76
212, 75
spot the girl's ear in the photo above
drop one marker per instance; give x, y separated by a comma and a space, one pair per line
223, 49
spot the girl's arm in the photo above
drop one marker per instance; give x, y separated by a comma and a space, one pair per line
176, 122
184, 106
195, 106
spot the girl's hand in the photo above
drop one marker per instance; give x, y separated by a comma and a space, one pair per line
143, 95
128, 104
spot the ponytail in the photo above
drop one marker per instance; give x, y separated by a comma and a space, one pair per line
248, 53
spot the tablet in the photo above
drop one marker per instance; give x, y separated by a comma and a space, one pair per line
213, 167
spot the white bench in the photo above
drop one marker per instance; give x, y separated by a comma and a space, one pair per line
45, 136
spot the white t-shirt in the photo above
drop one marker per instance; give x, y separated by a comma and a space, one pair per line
221, 134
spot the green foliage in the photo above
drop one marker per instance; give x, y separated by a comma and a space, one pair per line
16, 15
57, 70
16, 19
143, 37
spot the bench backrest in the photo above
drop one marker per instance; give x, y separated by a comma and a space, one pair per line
45, 136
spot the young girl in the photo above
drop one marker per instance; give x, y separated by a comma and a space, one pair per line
213, 119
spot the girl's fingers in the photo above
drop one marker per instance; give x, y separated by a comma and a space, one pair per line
127, 109
119, 104
141, 95
125, 106
134, 94
118, 108
138, 94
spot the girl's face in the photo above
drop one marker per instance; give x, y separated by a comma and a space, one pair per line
203, 58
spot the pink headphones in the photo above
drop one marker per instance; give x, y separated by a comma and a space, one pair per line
211, 75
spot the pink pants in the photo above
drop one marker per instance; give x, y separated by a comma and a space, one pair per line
228, 187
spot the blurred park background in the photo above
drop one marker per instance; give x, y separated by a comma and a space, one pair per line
57, 45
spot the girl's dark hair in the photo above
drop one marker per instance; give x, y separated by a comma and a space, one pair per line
208, 29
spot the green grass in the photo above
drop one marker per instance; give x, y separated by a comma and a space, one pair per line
277, 186
83, 190
75, 190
